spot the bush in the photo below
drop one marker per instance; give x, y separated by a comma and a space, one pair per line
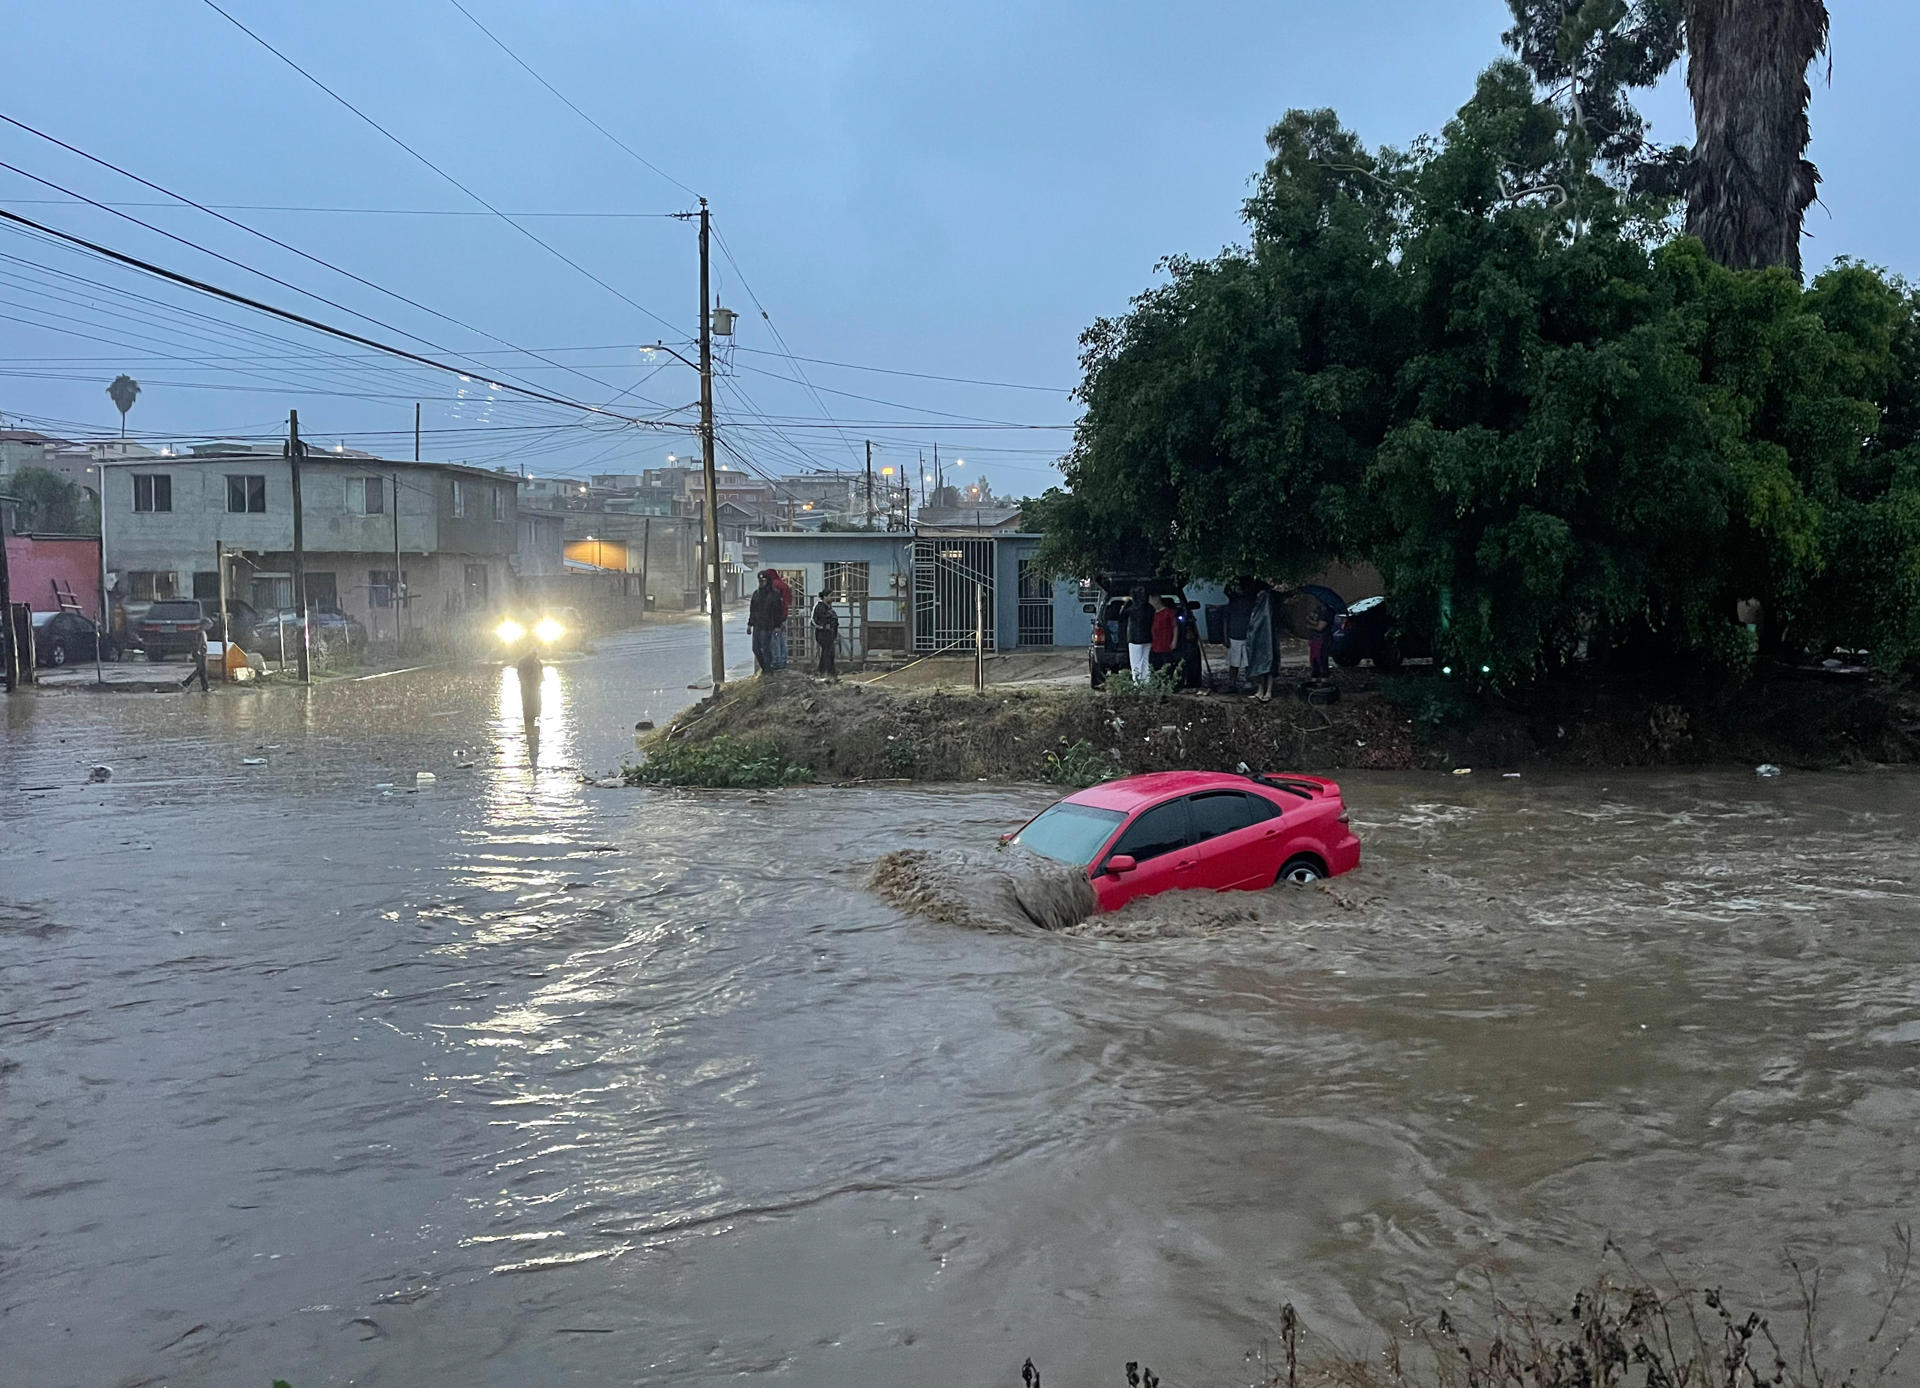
1079, 766
1434, 703
1161, 684
721, 764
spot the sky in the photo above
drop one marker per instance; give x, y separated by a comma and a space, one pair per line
900, 193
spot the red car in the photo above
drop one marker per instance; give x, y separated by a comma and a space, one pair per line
1211, 830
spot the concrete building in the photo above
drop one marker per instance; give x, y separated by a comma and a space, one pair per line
456, 526
917, 591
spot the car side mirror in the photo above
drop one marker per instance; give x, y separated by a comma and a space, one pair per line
1120, 863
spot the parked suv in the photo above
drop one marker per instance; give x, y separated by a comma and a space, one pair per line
1107, 654
1372, 630
172, 627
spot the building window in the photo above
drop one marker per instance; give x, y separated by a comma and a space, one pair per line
151, 586
206, 584
371, 493
246, 494
152, 491
459, 498
476, 587
500, 503
381, 587
846, 582
323, 592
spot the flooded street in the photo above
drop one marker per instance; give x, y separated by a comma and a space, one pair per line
511, 1080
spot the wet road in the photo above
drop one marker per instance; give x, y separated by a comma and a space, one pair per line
516, 1081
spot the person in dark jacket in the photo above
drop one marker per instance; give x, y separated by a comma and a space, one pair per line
1239, 612
766, 614
1138, 620
1263, 643
199, 670
826, 635
785, 590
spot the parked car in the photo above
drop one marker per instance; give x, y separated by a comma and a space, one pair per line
334, 633
171, 627
60, 637
1372, 630
1107, 653
1206, 830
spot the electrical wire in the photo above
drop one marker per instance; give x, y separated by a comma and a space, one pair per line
274, 241
231, 296
525, 67
917, 375
368, 211
546, 246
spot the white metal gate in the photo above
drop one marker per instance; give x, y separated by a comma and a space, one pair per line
952, 590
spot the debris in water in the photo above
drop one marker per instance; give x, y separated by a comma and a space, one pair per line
1766, 768
645, 725
424, 778
253, 761
1463, 770
98, 774
1011, 890
1510, 775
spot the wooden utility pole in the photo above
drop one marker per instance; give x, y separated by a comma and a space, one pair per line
646, 553
716, 639
979, 634
869, 484
226, 625
294, 451
8, 652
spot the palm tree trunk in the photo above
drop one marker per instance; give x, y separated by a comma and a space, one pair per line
1751, 184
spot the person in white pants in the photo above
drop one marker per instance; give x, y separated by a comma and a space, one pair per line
1138, 621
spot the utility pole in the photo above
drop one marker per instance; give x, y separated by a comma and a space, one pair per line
936, 474
923, 477
106, 603
294, 451
869, 484
646, 554
226, 629
393, 584
7, 651
716, 640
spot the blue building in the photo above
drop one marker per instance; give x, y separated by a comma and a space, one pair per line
922, 591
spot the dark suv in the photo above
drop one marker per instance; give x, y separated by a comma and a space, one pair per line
1107, 655
172, 626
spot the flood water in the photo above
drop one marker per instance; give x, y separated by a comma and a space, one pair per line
511, 1080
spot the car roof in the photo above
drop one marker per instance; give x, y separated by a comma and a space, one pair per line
1131, 792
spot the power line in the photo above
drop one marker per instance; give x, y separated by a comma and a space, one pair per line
550, 249
230, 296
569, 104
369, 211
271, 240
917, 375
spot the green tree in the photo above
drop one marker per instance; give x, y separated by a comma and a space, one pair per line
51, 504
123, 390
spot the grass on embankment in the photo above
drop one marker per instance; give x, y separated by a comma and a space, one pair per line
786, 728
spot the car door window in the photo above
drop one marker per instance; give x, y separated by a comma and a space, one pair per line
1226, 811
1159, 830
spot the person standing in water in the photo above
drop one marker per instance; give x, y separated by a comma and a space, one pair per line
199, 670
531, 668
826, 635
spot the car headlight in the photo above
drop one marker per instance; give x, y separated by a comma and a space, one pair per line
510, 631
548, 630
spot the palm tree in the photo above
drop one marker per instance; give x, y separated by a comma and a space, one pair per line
1750, 183
123, 392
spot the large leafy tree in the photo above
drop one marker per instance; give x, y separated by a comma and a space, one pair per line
1747, 180
1492, 368
51, 504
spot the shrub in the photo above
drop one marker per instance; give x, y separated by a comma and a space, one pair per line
723, 764
1079, 765
1161, 684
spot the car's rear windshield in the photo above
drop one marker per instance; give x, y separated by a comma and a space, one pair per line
1070, 833
174, 611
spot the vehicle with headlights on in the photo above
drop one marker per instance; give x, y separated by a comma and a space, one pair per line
1196, 830
545, 634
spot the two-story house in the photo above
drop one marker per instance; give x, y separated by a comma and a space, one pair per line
455, 529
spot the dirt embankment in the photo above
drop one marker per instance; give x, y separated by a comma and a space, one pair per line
854, 732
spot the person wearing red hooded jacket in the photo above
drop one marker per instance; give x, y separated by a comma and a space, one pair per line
785, 590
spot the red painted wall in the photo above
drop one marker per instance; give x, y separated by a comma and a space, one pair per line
33, 562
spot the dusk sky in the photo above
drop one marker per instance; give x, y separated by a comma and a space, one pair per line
948, 190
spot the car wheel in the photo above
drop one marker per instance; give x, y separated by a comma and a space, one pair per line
57, 654
1387, 658
1305, 869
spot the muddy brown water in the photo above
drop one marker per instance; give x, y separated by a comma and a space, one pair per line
305, 1074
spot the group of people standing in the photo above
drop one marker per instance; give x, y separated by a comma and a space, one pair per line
1255, 619
767, 626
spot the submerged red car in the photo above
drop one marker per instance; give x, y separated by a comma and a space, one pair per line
1212, 830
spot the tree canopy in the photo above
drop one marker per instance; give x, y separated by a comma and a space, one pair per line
51, 504
1494, 370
